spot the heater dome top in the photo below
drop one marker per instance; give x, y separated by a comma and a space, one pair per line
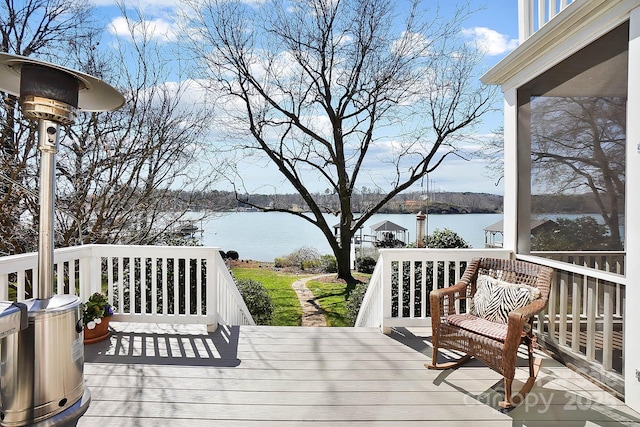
93, 93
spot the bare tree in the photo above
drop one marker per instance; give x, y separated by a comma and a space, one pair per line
331, 92
492, 150
42, 28
116, 171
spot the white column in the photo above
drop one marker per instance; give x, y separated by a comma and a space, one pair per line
632, 224
510, 170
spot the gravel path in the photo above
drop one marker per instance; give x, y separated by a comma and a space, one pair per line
312, 314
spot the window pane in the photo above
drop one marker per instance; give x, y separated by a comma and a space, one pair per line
577, 159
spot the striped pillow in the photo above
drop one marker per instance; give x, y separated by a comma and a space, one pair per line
495, 299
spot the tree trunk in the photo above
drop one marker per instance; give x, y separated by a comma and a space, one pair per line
343, 259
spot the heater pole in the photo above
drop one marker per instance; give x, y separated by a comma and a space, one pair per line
48, 146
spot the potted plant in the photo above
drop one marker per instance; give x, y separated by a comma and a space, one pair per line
96, 314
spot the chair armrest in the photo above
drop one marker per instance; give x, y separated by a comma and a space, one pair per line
531, 309
442, 292
442, 300
517, 319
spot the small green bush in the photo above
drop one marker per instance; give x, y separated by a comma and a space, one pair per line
257, 298
310, 264
355, 301
366, 264
328, 264
445, 239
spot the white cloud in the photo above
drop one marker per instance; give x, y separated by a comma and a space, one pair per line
139, 4
158, 28
410, 43
490, 41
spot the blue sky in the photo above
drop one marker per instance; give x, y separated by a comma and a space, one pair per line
493, 27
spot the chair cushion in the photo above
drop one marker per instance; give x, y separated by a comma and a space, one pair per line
495, 299
469, 322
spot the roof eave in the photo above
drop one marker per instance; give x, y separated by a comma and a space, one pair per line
570, 22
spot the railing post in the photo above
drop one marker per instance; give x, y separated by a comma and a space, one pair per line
4, 287
607, 328
213, 277
386, 291
90, 274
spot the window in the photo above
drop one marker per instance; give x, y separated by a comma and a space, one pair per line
573, 119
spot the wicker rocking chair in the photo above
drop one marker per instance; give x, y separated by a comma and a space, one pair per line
483, 337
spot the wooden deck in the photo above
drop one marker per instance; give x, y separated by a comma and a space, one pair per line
172, 375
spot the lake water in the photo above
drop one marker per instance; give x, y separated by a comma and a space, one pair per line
264, 236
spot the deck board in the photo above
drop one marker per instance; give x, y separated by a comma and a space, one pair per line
285, 376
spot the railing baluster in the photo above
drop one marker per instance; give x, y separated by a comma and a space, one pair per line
143, 285
165, 294
607, 327
199, 286
121, 284
591, 318
412, 289
564, 304
551, 307
176, 290
187, 285
424, 296
153, 270
110, 289
21, 289
576, 309
542, 13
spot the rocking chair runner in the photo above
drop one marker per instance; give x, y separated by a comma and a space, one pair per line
495, 344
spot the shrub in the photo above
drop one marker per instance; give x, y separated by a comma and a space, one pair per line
366, 264
445, 239
305, 258
328, 264
355, 301
257, 298
310, 264
233, 255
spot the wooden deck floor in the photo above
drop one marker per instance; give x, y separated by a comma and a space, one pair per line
170, 375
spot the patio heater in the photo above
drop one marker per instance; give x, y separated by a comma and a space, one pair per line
42, 364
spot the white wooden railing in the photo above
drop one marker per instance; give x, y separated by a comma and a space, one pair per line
584, 297
585, 315
534, 14
158, 284
611, 262
398, 291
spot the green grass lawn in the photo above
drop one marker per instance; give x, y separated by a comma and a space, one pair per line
332, 298
331, 295
287, 310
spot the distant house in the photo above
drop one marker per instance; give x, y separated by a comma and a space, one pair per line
494, 234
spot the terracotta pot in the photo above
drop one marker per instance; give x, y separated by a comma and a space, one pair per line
99, 333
